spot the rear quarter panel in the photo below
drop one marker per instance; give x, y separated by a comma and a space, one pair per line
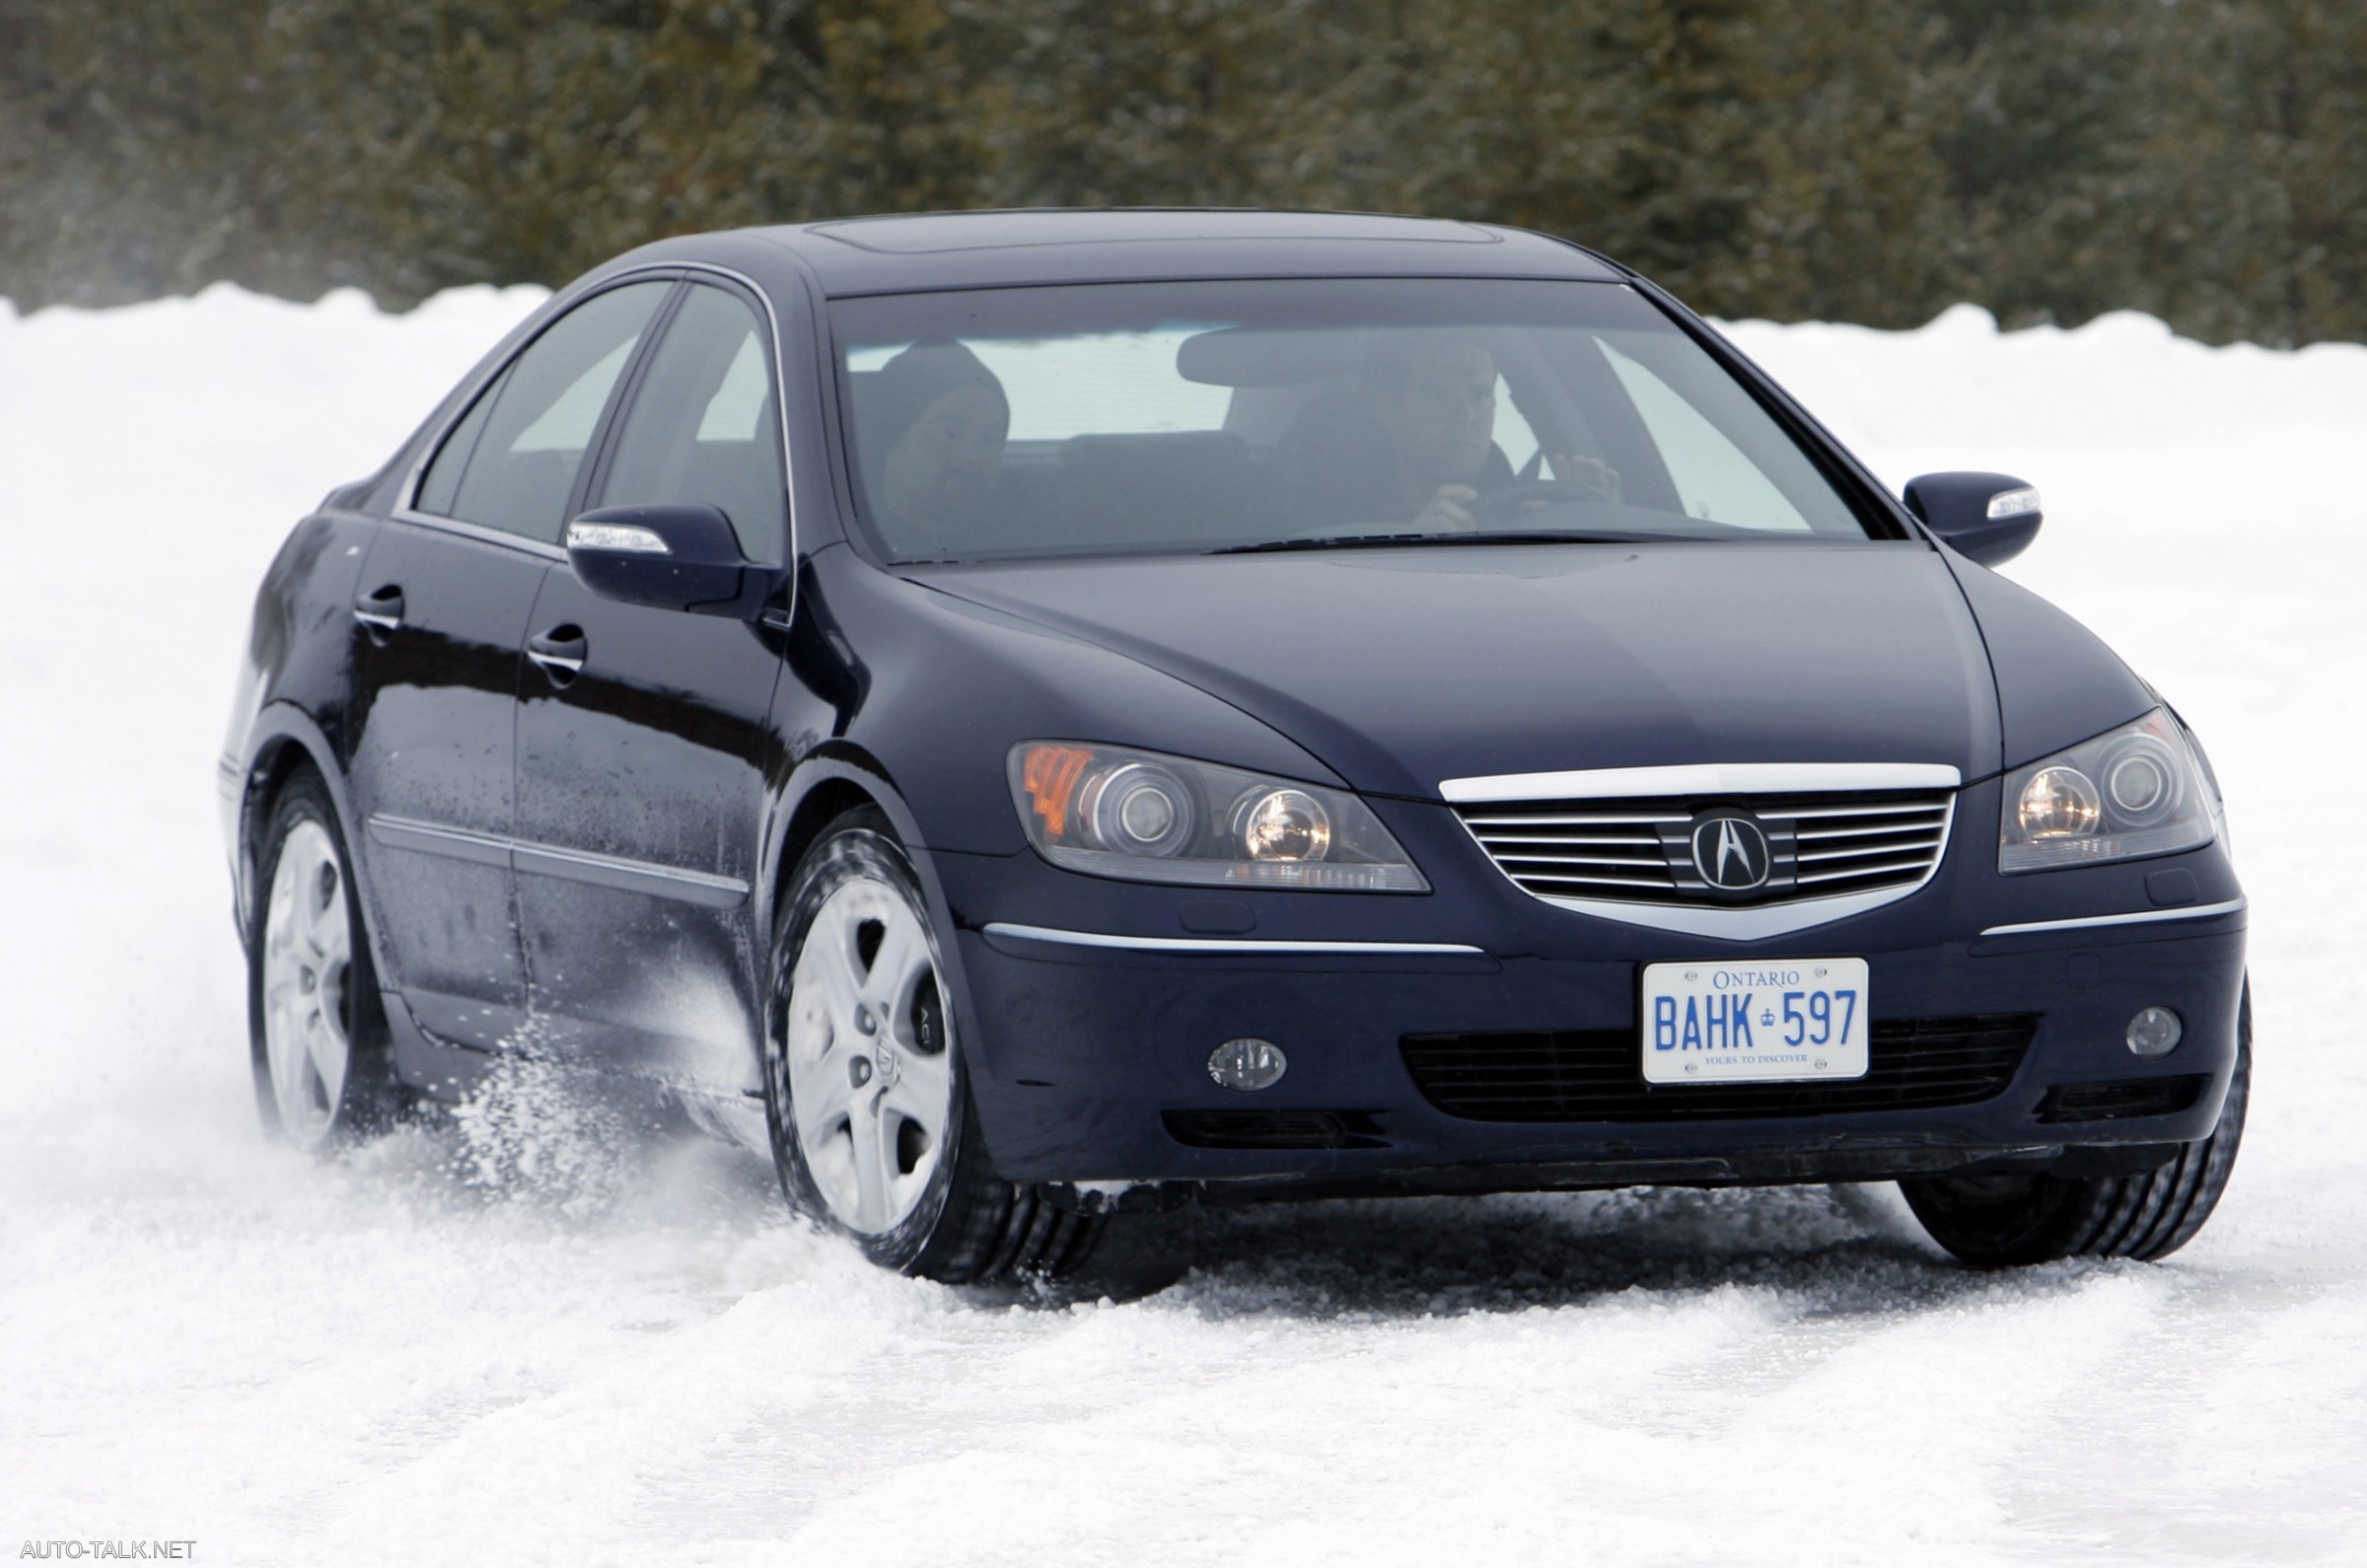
294, 677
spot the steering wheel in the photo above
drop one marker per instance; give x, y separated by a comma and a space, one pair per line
1502, 504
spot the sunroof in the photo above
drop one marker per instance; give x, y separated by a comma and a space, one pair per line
994, 231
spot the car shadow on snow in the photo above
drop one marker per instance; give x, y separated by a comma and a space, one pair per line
548, 1144
1845, 1249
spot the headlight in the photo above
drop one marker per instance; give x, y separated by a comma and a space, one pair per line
2137, 790
1147, 818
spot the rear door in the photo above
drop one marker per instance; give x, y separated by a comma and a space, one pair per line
642, 734
440, 615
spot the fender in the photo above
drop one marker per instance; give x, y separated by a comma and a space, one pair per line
2057, 683
845, 764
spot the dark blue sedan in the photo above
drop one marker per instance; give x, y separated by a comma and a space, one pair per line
1032, 714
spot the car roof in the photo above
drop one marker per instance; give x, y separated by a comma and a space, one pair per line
989, 249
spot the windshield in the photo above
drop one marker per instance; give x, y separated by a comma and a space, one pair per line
1305, 413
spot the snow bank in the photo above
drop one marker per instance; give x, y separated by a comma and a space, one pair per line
204, 1338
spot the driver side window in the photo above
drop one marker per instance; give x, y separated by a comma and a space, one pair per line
704, 427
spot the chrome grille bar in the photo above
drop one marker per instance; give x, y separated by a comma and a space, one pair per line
1577, 819
1886, 829
1814, 859
1571, 838
1864, 810
1915, 866
1661, 885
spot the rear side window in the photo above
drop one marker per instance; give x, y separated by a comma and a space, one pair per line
705, 428
512, 462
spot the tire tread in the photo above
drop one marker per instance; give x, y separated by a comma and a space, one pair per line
2145, 1217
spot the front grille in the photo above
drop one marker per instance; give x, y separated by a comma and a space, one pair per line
1641, 850
1597, 1075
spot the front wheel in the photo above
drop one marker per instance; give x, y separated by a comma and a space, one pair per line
2002, 1221
865, 1093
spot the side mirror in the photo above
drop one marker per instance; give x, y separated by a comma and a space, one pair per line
1989, 516
669, 557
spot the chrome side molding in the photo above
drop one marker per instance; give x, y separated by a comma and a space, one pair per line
550, 860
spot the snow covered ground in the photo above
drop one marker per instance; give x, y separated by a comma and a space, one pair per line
627, 1354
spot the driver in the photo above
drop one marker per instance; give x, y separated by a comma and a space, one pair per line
1430, 399
1434, 398
937, 418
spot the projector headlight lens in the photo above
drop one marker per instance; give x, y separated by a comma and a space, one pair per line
2133, 792
2141, 780
1284, 824
1139, 809
2058, 803
1115, 812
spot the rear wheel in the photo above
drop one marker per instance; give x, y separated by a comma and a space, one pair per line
2005, 1220
869, 1108
323, 1071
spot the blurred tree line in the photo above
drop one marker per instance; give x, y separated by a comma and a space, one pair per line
1854, 160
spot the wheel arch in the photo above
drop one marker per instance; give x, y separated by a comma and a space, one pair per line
284, 740
830, 781
827, 784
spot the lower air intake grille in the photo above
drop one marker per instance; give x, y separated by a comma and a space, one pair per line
1596, 1074
2121, 1101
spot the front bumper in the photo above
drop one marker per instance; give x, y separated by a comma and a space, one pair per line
1079, 1053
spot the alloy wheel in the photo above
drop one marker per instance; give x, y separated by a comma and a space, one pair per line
870, 1084
308, 965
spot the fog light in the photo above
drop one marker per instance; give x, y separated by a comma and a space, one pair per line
1248, 1064
2154, 1032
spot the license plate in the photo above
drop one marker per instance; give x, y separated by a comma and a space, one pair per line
1765, 1023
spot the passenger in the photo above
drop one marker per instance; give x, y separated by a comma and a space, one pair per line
938, 418
1421, 450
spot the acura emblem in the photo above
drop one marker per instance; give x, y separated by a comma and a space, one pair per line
1731, 853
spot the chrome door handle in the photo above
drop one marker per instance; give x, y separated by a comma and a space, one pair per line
559, 653
381, 609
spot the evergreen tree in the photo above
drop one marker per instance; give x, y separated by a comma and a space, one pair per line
1862, 159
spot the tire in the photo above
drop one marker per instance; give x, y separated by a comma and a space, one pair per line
866, 1096
323, 1066
2005, 1221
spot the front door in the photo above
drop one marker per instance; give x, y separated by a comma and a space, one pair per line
642, 736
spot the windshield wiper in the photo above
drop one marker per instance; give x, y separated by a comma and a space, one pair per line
1375, 542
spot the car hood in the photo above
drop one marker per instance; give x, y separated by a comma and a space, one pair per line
1403, 668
